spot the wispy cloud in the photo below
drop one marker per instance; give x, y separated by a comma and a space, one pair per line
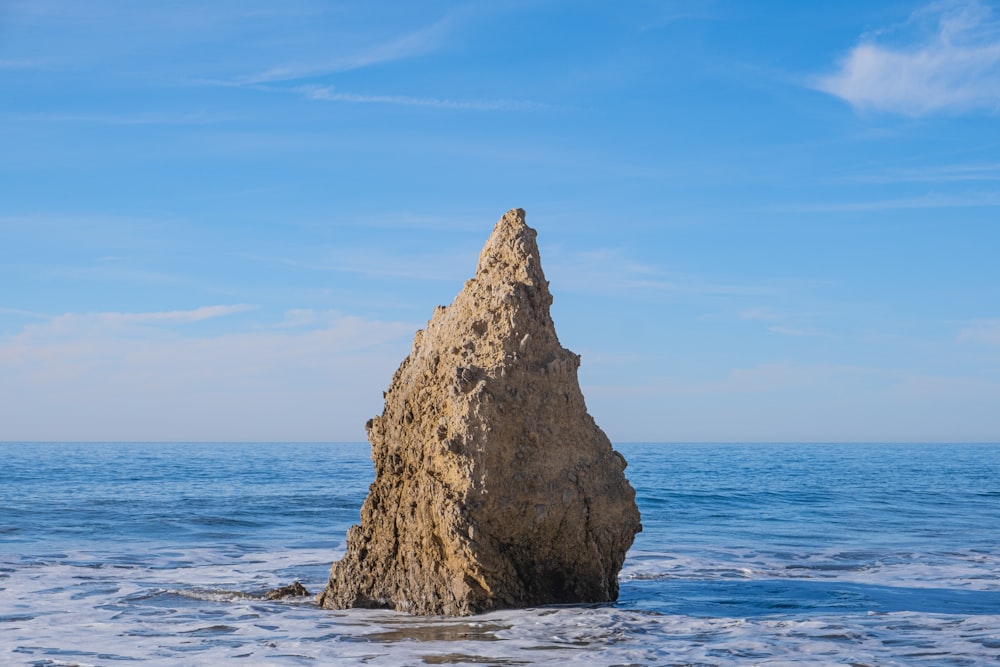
176, 316
23, 313
329, 94
790, 401
18, 63
982, 331
311, 375
778, 323
382, 263
416, 43
611, 272
667, 14
759, 379
947, 173
118, 323
929, 201
946, 58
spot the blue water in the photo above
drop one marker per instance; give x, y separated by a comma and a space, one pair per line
113, 554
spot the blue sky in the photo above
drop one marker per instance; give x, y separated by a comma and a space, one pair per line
761, 221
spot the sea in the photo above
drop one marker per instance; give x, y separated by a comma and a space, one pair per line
751, 554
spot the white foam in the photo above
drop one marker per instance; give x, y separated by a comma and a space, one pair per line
960, 569
205, 611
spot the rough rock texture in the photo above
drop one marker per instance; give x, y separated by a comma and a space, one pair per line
292, 590
494, 487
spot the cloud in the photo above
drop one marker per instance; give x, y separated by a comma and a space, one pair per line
90, 324
437, 265
763, 381
328, 94
777, 323
786, 376
23, 313
816, 380
196, 315
947, 60
985, 332
798, 402
948, 173
610, 272
312, 375
416, 43
15, 64
928, 201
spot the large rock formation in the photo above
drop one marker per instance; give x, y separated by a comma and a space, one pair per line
494, 487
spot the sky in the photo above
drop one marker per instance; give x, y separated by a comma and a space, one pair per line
767, 221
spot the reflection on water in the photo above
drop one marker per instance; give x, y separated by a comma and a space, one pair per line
441, 631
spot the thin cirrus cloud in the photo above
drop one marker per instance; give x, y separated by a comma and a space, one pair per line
929, 201
315, 375
948, 173
416, 43
947, 61
177, 316
986, 332
762, 379
78, 325
610, 271
329, 94
113, 332
777, 323
16, 64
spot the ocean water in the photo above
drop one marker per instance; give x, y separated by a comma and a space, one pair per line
119, 554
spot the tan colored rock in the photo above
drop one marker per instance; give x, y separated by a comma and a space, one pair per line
494, 487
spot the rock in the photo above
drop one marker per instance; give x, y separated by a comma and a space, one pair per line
494, 488
292, 590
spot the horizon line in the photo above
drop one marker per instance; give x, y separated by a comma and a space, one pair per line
614, 442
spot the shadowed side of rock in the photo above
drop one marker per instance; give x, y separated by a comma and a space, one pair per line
292, 590
494, 487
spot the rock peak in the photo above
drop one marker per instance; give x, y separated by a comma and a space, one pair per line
494, 487
511, 247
